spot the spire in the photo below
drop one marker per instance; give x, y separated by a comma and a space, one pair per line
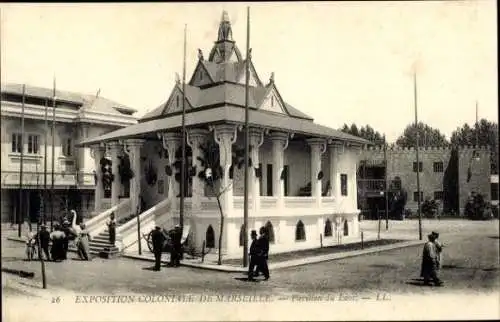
225, 32
224, 48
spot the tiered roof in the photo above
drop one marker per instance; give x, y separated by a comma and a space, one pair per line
216, 94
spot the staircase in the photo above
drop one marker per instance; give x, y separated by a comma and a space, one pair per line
100, 245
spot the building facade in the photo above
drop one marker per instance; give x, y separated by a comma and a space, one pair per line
76, 117
302, 177
447, 174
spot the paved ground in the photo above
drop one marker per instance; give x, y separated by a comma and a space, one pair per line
471, 265
470, 261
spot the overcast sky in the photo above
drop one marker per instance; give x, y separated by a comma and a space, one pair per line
339, 62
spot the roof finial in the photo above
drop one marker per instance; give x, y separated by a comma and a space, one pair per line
200, 54
177, 79
225, 32
271, 79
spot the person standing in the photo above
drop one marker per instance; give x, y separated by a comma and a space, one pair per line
430, 262
58, 237
439, 249
83, 241
158, 239
111, 223
254, 252
44, 239
263, 250
176, 253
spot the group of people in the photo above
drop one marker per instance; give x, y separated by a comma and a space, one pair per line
172, 239
61, 236
432, 260
259, 254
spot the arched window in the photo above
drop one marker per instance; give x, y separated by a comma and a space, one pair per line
346, 228
210, 237
177, 101
242, 235
328, 228
270, 231
300, 232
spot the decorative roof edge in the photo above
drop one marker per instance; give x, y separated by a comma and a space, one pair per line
428, 148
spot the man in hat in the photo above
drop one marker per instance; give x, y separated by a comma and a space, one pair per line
263, 251
44, 238
158, 239
176, 253
430, 262
254, 253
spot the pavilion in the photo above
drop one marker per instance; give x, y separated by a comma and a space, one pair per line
303, 195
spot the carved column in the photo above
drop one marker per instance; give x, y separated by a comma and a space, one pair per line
114, 149
171, 143
318, 147
133, 149
280, 143
336, 149
195, 138
256, 140
356, 152
225, 136
97, 153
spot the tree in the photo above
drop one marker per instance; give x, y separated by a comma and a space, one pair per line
428, 136
365, 132
486, 133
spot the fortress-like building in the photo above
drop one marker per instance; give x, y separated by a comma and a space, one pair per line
302, 183
447, 174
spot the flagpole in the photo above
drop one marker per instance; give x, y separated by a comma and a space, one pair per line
20, 216
477, 129
53, 154
386, 188
418, 163
245, 194
183, 163
45, 162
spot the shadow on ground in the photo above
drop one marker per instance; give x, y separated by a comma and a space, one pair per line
244, 279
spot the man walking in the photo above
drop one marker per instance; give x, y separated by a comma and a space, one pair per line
158, 239
254, 252
263, 250
430, 262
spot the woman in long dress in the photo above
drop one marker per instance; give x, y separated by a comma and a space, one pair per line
58, 238
83, 246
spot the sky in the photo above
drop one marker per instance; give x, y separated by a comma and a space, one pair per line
339, 62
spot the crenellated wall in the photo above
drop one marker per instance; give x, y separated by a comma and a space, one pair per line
400, 164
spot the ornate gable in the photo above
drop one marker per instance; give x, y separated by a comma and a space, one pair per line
272, 102
200, 76
174, 103
252, 81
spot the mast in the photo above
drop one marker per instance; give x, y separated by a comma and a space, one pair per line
45, 162
386, 194
53, 154
20, 216
418, 163
183, 163
245, 194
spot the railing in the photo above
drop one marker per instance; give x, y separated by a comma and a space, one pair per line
268, 202
96, 224
36, 178
239, 201
209, 203
371, 185
128, 231
328, 202
299, 202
